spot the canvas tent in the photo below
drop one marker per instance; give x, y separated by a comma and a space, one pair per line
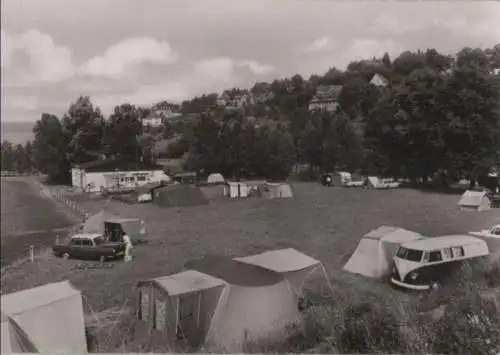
295, 266
145, 193
13, 338
111, 225
273, 190
236, 189
348, 180
474, 201
47, 318
373, 256
256, 303
215, 179
179, 196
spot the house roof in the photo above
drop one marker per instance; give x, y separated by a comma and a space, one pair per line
235, 272
446, 241
329, 90
116, 165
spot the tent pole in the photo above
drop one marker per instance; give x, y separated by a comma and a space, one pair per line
325, 274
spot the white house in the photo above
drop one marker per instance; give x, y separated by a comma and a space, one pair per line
153, 121
326, 98
379, 81
108, 174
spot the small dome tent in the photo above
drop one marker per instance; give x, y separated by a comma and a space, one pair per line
215, 178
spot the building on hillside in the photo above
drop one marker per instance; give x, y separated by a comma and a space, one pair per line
152, 121
263, 98
326, 98
115, 174
235, 100
379, 81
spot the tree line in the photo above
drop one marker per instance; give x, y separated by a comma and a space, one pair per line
438, 115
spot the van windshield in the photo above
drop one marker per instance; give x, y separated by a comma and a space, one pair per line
409, 254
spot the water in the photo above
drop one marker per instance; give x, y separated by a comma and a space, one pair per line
17, 132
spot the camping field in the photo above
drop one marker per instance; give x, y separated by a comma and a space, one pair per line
325, 223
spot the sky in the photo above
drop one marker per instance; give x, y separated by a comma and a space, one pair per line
141, 52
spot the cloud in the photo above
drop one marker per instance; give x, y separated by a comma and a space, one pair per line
125, 57
319, 45
256, 67
48, 62
20, 102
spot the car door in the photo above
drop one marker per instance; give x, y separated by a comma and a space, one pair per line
88, 249
75, 248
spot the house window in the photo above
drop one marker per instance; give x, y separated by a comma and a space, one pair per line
458, 252
435, 256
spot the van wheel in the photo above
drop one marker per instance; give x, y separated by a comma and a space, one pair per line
65, 256
102, 258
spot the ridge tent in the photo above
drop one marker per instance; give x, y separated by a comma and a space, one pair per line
351, 180
145, 193
295, 266
374, 253
256, 303
215, 179
274, 190
474, 201
110, 225
13, 338
51, 317
179, 196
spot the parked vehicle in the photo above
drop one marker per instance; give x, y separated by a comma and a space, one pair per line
424, 264
89, 246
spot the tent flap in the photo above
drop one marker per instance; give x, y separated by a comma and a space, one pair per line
283, 260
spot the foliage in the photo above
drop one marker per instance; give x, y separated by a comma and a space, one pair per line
17, 158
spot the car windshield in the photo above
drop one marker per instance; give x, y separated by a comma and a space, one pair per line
99, 240
409, 254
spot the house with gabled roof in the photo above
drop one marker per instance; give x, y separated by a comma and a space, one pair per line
379, 81
326, 98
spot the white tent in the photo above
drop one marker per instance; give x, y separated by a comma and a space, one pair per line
236, 189
215, 178
474, 201
295, 266
275, 190
347, 181
223, 304
375, 251
99, 222
13, 338
51, 317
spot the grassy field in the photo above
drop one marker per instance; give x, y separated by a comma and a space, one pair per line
28, 218
325, 223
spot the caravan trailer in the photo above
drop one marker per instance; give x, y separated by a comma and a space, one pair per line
427, 263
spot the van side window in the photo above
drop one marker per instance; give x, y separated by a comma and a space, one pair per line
426, 257
447, 254
495, 231
435, 256
458, 252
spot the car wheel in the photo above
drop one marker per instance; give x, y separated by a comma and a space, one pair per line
66, 256
102, 258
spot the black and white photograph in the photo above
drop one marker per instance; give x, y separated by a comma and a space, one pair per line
250, 176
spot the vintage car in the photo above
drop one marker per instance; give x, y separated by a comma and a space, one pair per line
89, 246
425, 264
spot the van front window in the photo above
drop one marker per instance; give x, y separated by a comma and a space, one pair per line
409, 254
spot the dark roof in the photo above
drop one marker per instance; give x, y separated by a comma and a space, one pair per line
146, 188
235, 272
116, 164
